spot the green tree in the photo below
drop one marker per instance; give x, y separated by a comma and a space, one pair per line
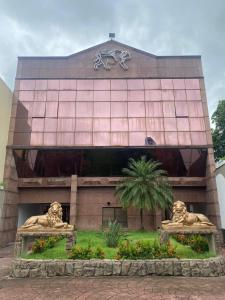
146, 186
218, 132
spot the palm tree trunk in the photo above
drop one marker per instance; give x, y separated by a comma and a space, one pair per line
141, 215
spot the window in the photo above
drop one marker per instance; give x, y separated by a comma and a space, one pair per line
114, 213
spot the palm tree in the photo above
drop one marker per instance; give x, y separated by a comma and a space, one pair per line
145, 187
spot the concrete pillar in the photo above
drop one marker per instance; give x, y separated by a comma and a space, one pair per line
212, 204
73, 200
157, 218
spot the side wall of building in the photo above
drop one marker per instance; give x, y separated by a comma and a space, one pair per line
220, 182
5, 109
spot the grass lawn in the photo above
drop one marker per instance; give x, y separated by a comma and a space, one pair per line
95, 238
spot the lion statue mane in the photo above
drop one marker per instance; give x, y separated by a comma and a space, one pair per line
52, 219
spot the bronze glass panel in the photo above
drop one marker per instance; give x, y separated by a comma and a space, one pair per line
118, 95
85, 95
137, 138
136, 109
118, 109
83, 124
26, 96
38, 109
27, 85
85, 85
101, 95
192, 84
101, 85
154, 124
50, 125
66, 125
170, 124
119, 124
101, 124
67, 95
135, 84
154, 109
102, 109
52, 96
179, 84
197, 124
152, 84
66, 110
41, 85
167, 84
193, 95
101, 138
184, 138
68, 84
183, 124
136, 95
118, 84
167, 95
83, 138
153, 95
180, 95
84, 109
137, 124
53, 84
119, 138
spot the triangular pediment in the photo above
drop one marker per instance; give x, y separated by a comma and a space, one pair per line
112, 44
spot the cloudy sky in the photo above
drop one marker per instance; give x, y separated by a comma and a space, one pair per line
161, 27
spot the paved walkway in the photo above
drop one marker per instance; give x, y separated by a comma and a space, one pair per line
154, 288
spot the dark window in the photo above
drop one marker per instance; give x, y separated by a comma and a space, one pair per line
114, 213
106, 162
196, 207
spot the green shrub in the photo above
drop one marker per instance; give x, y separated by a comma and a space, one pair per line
79, 252
99, 253
86, 252
39, 246
145, 250
42, 244
199, 244
113, 234
184, 239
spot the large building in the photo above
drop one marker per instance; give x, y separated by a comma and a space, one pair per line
76, 120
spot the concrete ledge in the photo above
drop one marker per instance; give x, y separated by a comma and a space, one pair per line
211, 267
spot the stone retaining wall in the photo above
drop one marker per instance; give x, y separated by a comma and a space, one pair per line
165, 267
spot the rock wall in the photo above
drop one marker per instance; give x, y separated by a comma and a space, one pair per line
211, 267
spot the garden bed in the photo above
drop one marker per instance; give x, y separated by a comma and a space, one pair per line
54, 261
96, 239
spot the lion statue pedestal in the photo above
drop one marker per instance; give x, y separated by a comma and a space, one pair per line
184, 222
43, 226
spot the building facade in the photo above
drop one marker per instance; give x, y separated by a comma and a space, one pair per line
5, 110
220, 182
77, 120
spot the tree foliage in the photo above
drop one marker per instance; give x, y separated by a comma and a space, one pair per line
146, 186
218, 133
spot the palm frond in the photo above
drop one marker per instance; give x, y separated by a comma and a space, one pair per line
146, 186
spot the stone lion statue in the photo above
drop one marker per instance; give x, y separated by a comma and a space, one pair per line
51, 220
181, 217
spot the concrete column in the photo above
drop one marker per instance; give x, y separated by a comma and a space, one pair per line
157, 218
212, 204
73, 200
